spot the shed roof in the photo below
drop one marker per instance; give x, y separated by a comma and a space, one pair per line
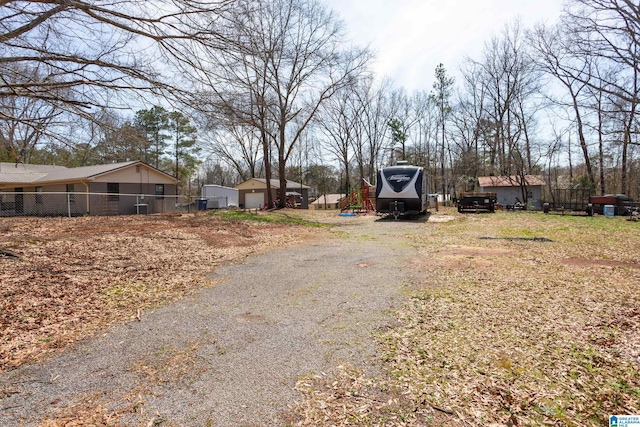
510, 181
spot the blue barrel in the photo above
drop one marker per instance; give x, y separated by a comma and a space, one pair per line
608, 210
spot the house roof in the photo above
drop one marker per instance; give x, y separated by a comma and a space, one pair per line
21, 173
275, 183
84, 172
510, 181
330, 199
40, 174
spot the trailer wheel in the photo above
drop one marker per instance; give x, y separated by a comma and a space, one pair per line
589, 209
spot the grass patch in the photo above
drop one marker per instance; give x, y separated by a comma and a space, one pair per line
526, 340
505, 331
269, 217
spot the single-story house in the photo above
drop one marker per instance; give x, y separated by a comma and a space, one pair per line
508, 189
327, 201
110, 189
252, 194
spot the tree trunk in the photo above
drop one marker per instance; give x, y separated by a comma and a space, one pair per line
570, 160
601, 150
442, 169
347, 176
282, 192
582, 140
266, 154
282, 164
625, 150
177, 156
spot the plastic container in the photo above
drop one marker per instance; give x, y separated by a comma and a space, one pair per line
608, 210
202, 204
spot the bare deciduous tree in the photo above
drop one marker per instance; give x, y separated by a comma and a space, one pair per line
90, 55
555, 58
23, 124
609, 30
374, 102
280, 61
236, 145
338, 120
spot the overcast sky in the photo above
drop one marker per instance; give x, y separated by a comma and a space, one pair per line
411, 37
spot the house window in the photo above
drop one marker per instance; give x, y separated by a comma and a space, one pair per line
38, 195
70, 190
159, 191
113, 188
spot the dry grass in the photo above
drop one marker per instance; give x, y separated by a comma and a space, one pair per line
92, 410
509, 330
66, 278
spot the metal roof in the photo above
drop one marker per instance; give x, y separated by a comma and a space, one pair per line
510, 181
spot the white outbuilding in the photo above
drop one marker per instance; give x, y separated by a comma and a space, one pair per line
219, 197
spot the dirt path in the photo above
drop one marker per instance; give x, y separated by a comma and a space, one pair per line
230, 355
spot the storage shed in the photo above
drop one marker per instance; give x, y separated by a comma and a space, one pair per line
509, 189
219, 197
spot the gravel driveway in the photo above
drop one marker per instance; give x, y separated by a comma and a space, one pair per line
230, 355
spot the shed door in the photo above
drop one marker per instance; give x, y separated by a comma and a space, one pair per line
254, 200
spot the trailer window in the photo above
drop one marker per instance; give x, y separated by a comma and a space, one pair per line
159, 191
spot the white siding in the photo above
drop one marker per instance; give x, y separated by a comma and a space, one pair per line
225, 196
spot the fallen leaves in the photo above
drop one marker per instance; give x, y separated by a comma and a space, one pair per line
66, 278
507, 331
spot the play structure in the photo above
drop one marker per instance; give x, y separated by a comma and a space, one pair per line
359, 200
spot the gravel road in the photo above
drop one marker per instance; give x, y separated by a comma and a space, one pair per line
230, 355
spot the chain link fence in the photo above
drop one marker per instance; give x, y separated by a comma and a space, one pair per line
78, 204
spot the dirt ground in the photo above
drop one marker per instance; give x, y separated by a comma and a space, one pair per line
501, 319
230, 354
65, 278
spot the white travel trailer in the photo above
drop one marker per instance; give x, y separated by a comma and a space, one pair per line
402, 190
219, 197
